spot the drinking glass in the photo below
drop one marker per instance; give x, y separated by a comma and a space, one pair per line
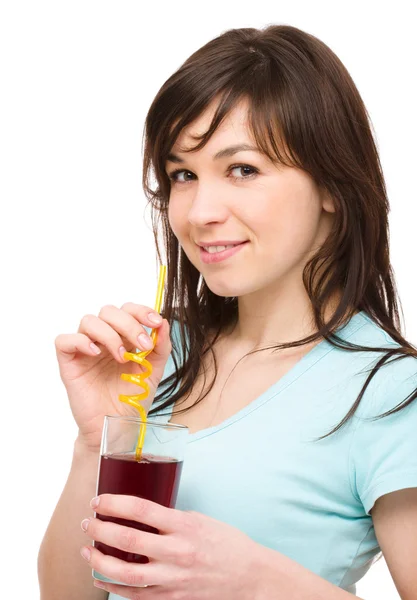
156, 476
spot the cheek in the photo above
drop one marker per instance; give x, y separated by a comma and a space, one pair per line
292, 226
179, 225
175, 219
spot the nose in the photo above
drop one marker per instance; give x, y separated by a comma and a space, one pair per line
208, 206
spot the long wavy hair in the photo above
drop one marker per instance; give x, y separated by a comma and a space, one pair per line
305, 112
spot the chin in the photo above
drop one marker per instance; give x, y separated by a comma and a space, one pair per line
226, 289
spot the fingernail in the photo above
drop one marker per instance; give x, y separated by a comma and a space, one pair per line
84, 524
122, 351
145, 341
154, 317
94, 502
95, 348
99, 584
85, 553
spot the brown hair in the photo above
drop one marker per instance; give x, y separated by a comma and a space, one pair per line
304, 111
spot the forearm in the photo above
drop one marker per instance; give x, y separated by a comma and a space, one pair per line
283, 578
61, 570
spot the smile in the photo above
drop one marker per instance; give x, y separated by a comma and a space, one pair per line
215, 257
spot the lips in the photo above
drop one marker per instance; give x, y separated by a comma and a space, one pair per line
221, 243
216, 257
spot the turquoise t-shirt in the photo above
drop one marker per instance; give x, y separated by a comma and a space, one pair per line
310, 500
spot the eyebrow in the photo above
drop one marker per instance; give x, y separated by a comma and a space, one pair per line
221, 154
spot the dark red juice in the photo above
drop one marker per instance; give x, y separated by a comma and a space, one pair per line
154, 478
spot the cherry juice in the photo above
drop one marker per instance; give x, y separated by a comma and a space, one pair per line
154, 478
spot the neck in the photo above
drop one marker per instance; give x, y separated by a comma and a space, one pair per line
278, 317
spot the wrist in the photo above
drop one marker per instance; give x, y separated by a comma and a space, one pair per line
84, 450
278, 576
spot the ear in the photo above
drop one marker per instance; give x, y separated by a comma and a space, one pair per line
327, 202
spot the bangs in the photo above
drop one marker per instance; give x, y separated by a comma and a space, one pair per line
262, 121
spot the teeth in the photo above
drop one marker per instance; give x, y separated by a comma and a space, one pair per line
213, 249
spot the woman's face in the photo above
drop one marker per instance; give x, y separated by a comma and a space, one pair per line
278, 210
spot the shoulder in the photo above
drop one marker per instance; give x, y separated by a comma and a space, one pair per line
391, 383
363, 330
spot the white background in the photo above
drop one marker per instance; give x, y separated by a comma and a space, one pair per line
77, 80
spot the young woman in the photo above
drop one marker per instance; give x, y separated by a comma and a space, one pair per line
282, 352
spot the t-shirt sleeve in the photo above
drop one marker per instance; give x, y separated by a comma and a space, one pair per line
384, 451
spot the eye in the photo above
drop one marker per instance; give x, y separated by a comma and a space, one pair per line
173, 176
248, 175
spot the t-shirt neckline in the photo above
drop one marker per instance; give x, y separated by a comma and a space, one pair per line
305, 363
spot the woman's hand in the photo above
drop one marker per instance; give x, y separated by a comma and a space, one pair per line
93, 380
194, 557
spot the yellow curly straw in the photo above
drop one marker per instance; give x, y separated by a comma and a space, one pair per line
139, 358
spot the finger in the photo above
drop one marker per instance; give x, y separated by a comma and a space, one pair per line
71, 343
130, 592
102, 333
138, 312
160, 547
166, 520
142, 313
129, 327
128, 573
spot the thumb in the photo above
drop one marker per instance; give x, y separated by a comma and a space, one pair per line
163, 346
